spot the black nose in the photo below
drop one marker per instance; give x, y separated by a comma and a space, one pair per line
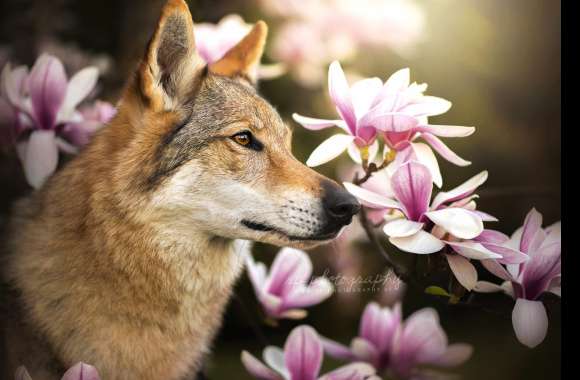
339, 204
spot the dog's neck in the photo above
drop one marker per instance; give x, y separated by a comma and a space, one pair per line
169, 256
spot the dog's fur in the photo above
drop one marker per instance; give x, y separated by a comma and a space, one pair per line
126, 258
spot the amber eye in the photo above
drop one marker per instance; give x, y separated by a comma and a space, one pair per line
243, 138
247, 140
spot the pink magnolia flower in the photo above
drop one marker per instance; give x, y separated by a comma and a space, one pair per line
421, 340
426, 226
388, 343
401, 113
285, 291
412, 186
527, 281
44, 108
213, 41
396, 108
79, 371
375, 339
94, 116
352, 103
301, 359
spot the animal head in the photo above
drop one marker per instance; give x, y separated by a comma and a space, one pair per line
212, 153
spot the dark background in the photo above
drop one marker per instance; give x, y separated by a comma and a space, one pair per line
498, 61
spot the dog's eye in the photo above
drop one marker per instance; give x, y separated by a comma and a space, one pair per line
243, 138
246, 139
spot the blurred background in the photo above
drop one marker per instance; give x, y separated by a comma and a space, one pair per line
497, 61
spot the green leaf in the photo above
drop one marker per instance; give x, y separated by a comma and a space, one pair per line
437, 291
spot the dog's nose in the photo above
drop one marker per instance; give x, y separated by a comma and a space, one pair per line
339, 204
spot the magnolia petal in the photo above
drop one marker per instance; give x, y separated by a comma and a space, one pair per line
335, 349
389, 121
270, 303
303, 353
318, 290
378, 325
497, 269
340, 95
353, 371
402, 228
257, 369
427, 106
291, 268
369, 321
492, 236
530, 322
363, 93
22, 374
318, 124
81, 371
422, 338
457, 221
532, 225
444, 150
369, 198
79, 87
364, 350
48, 86
65, 147
553, 233
509, 288
13, 84
412, 185
554, 229
485, 216
487, 287
473, 250
462, 191
380, 183
397, 82
424, 154
463, 270
455, 355
274, 357
329, 149
256, 272
542, 267
41, 157
421, 243
509, 255
447, 130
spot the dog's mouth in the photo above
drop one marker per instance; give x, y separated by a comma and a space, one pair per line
256, 226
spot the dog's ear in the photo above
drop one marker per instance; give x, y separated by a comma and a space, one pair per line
244, 58
171, 67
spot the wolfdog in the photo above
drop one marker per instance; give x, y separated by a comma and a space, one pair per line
126, 258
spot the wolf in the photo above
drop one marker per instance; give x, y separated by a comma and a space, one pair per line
126, 258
